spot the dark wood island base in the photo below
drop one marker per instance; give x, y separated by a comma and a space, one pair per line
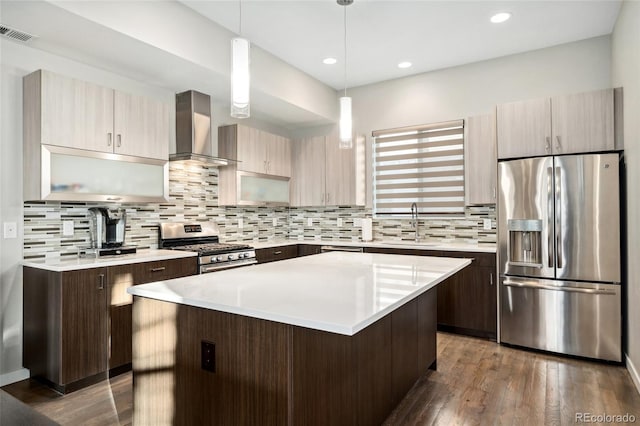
271, 373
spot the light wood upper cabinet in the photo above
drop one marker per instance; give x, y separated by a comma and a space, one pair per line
62, 111
251, 150
584, 122
524, 128
480, 158
262, 173
279, 156
72, 113
341, 170
256, 150
141, 126
308, 172
325, 175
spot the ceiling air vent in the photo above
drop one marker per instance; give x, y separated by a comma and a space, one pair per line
15, 34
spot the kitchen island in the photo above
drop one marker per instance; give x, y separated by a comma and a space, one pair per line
334, 338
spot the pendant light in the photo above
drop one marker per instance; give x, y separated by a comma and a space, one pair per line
240, 80
346, 123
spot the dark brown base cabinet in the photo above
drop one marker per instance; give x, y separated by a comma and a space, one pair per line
273, 254
77, 324
467, 301
270, 373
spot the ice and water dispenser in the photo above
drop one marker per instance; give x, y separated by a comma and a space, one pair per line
525, 242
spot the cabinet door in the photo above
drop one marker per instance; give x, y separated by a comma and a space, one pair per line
279, 156
83, 324
75, 114
120, 278
141, 126
524, 128
273, 254
308, 172
480, 161
340, 173
583, 122
467, 300
251, 150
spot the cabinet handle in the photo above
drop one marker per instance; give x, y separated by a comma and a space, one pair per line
119, 137
265, 166
268, 166
109, 139
160, 269
491, 278
547, 145
277, 252
101, 282
494, 193
558, 145
114, 198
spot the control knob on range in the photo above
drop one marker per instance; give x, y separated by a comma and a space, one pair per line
231, 256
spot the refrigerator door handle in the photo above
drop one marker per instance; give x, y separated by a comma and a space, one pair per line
533, 284
558, 218
549, 213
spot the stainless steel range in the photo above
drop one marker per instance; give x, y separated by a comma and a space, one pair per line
203, 238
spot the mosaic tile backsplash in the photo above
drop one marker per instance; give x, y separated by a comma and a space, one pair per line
193, 195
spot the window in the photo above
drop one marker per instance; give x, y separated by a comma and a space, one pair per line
421, 164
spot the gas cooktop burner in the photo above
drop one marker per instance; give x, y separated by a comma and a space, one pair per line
203, 238
212, 248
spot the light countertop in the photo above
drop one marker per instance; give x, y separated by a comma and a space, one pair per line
337, 292
75, 263
421, 245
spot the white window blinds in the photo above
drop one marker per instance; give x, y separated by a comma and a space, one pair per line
421, 164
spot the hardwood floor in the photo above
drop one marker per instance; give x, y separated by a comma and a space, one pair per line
106, 403
478, 382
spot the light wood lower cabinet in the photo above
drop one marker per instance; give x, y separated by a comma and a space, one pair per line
77, 324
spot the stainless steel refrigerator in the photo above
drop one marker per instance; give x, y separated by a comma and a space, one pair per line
559, 254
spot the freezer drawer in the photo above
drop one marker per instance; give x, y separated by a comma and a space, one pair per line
573, 318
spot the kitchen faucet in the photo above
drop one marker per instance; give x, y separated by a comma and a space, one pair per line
414, 219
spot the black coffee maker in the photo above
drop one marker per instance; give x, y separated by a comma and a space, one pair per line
107, 230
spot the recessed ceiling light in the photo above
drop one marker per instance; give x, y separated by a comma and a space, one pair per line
500, 17
329, 61
404, 64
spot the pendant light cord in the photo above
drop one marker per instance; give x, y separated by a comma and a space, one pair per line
345, 50
240, 17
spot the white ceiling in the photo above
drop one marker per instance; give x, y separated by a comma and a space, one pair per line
430, 34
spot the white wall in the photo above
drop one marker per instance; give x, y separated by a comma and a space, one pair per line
625, 44
476, 88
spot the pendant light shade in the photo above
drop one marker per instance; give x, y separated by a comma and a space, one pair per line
346, 126
240, 79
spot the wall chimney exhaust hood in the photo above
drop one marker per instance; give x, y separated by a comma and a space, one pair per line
193, 130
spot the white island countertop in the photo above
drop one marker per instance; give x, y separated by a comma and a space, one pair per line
337, 292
